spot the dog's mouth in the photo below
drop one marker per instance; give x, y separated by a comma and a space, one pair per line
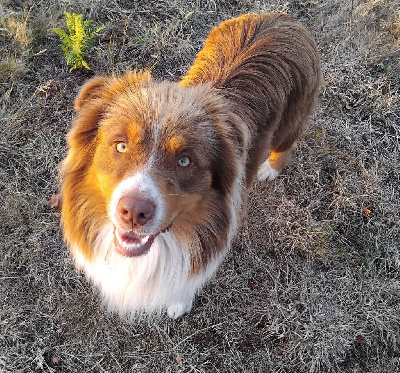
129, 243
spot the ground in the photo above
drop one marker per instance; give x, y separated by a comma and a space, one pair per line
312, 281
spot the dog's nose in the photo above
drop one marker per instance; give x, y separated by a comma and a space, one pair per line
135, 212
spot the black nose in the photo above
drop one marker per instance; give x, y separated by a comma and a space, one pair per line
135, 212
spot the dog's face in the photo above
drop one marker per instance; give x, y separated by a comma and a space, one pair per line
148, 164
147, 158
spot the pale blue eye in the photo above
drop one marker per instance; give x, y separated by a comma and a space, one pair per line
121, 147
184, 161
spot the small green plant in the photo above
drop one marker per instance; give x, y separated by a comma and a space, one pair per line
80, 37
385, 68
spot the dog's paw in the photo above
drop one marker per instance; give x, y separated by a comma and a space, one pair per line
177, 310
266, 172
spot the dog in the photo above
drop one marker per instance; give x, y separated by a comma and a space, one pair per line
157, 173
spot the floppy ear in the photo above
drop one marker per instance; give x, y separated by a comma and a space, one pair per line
91, 90
90, 105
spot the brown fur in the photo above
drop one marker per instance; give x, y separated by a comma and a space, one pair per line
249, 92
269, 67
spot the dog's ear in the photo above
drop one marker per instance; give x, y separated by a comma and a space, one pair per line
90, 105
91, 90
233, 138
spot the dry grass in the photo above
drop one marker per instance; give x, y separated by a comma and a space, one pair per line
312, 282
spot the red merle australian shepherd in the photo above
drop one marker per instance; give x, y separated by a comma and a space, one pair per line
157, 174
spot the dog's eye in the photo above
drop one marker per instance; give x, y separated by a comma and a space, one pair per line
184, 161
121, 147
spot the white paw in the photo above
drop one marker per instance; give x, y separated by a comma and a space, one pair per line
266, 172
176, 310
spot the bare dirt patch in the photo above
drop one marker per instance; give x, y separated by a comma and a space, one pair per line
312, 281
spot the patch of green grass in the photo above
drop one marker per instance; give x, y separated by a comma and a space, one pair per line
385, 68
79, 38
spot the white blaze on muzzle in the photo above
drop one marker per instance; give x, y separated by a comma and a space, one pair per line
132, 238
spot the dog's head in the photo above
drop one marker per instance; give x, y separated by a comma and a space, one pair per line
148, 157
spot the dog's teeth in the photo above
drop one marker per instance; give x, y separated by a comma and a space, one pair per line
132, 246
144, 240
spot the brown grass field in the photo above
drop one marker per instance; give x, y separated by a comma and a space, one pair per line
312, 282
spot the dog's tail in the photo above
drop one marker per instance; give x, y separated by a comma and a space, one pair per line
258, 61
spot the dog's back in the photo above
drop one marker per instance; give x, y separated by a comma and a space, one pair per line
268, 66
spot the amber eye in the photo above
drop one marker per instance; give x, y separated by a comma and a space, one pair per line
184, 161
121, 147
